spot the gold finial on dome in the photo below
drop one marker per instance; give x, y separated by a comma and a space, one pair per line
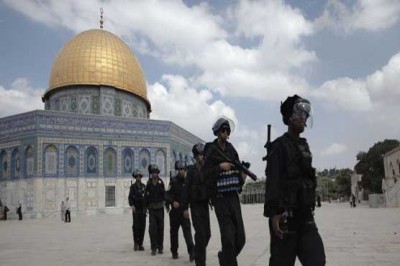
101, 18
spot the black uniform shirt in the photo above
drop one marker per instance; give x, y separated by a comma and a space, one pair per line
136, 195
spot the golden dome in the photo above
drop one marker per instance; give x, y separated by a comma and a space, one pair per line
98, 57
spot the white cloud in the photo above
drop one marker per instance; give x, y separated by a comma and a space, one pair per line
345, 93
176, 100
280, 29
369, 15
334, 149
198, 36
19, 98
375, 94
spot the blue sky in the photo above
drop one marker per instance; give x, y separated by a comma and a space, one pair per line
203, 59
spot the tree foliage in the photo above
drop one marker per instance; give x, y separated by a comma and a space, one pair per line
334, 183
370, 164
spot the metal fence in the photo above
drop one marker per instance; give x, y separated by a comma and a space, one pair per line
253, 194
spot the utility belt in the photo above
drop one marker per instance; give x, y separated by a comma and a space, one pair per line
226, 195
156, 205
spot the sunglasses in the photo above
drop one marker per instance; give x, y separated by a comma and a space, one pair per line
226, 130
181, 169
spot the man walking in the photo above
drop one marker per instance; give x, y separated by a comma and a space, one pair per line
226, 183
195, 195
136, 201
176, 218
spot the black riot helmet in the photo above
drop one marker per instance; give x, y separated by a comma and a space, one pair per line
198, 149
137, 173
180, 165
295, 106
221, 123
153, 168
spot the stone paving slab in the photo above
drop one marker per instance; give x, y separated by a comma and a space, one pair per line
352, 236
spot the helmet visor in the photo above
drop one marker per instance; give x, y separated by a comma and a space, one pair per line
303, 113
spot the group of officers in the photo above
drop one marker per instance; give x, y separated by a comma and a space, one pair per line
214, 180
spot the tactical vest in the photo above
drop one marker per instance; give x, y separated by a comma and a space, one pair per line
198, 188
138, 191
299, 182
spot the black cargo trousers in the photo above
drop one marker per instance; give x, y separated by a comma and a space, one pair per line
177, 220
201, 223
304, 242
229, 216
139, 225
156, 228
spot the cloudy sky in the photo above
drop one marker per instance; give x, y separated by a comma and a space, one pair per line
203, 59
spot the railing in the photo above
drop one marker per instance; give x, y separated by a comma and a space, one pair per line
252, 195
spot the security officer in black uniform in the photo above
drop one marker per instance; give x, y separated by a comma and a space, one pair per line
173, 198
195, 195
290, 192
154, 197
225, 183
136, 201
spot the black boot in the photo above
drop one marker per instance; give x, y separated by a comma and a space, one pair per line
135, 247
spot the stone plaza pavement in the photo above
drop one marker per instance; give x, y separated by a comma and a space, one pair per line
352, 236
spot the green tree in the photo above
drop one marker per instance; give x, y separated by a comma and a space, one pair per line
370, 164
343, 182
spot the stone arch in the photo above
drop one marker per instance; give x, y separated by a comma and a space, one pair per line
3, 164
71, 161
16, 164
110, 162
29, 161
91, 161
127, 162
50, 160
161, 161
144, 160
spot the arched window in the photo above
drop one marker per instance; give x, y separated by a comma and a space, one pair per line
16, 164
29, 165
110, 162
3, 164
91, 161
127, 162
161, 162
144, 161
71, 161
50, 160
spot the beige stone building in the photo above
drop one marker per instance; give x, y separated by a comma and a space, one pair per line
391, 184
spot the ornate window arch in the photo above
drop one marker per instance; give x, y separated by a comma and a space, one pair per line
144, 161
127, 162
29, 165
91, 161
71, 161
3, 164
16, 164
110, 162
50, 160
161, 161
